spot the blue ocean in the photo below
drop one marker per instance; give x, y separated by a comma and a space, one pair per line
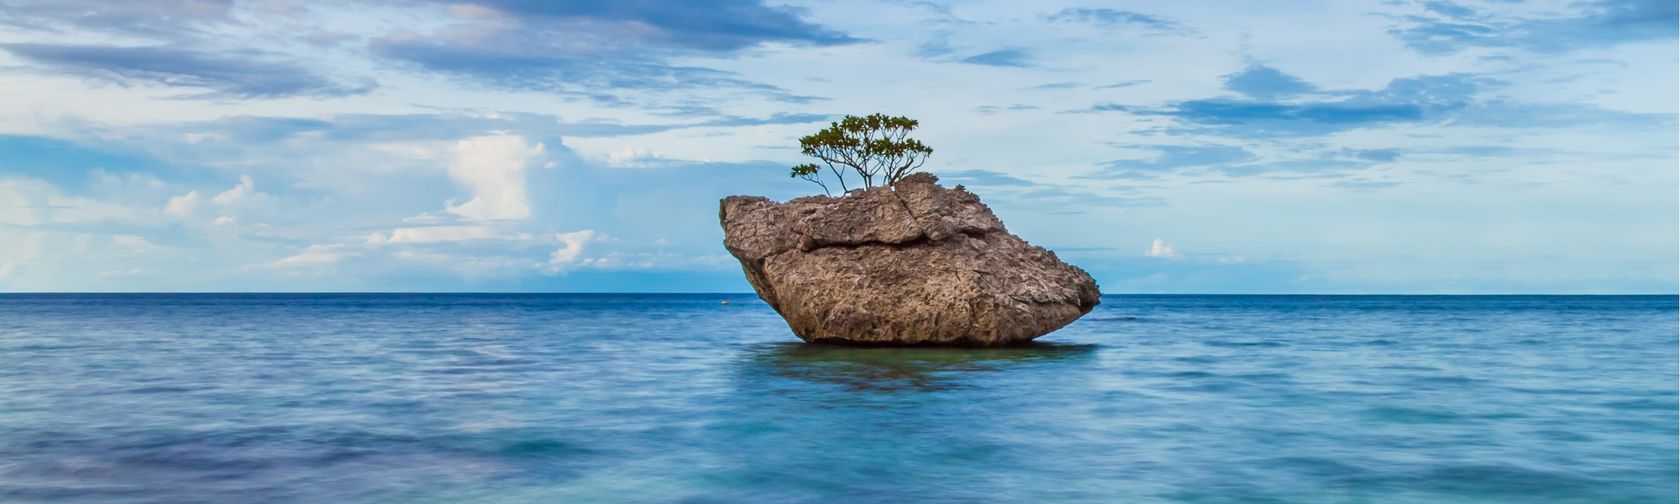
409, 398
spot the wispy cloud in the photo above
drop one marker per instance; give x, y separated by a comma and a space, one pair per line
167, 19
594, 48
246, 74
1170, 158
983, 178
449, 125
1114, 17
1052, 86
708, 25
1016, 58
1444, 27
1415, 99
1123, 84
1262, 82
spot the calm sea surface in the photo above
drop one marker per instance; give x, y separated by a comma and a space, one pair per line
679, 398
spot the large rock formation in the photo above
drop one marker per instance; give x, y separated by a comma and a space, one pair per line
912, 264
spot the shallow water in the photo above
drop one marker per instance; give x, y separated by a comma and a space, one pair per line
678, 398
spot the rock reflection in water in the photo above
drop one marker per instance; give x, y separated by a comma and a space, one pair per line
898, 368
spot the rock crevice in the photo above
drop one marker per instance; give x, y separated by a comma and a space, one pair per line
911, 264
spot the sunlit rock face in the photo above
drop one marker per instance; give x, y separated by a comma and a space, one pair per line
910, 264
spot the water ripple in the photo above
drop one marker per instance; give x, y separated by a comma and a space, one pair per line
679, 398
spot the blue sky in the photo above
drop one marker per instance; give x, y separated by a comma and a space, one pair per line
1236, 147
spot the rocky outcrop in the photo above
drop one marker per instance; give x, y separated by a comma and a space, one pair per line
912, 264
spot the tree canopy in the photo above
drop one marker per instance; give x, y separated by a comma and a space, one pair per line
873, 147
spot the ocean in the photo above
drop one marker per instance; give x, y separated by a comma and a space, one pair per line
413, 398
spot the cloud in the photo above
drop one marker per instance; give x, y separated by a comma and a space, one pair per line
630, 157
936, 12
1242, 161
446, 234
1177, 157
571, 250
370, 128
1006, 190
982, 178
1444, 27
1407, 100
1124, 84
1161, 249
709, 25
937, 45
1326, 115
601, 78
238, 193
236, 74
1114, 18
493, 169
1449, 99
183, 205
1052, 86
1262, 82
313, 256
27, 202
993, 109
72, 165
187, 204
1378, 155
438, 234
601, 48
155, 18
1016, 58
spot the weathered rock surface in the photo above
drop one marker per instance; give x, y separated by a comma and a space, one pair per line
914, 264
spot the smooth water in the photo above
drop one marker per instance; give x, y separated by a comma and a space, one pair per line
678, 398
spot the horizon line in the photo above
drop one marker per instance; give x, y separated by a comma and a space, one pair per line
700, 293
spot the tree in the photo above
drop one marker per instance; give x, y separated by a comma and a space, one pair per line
875, 146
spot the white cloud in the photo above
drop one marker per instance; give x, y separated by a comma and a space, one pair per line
424, 218
238, 193
7, 268
493, 168
225, 220
127, 179
1163, 250
441, 234
26, 201
314, 255
183, 205
628, 156
571, 250
187, 204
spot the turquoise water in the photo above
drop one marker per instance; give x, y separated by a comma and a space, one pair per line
679, 398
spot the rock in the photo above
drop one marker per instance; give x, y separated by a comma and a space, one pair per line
912, 264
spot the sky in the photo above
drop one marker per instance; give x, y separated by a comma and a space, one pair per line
1334, 147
